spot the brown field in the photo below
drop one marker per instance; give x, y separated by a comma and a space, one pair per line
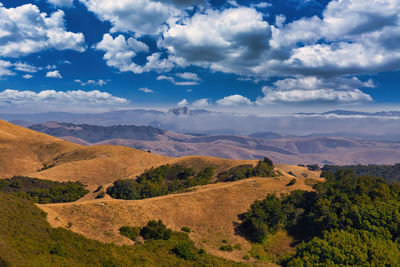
210, 211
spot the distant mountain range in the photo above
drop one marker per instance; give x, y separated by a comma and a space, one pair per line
95, 133
281, 149
353, 113
365, 125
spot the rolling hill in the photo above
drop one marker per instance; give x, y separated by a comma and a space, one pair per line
281, 149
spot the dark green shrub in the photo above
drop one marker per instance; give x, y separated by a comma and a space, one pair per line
130, 232
44, 191
313, 167
155, 230
184, 250
101, 195
58, 250
263, 218
292, 182
228, 248
237, 246
291, 173
186, 229
246, 257
98, 189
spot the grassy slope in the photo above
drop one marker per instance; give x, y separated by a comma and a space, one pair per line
210, 211
26, 239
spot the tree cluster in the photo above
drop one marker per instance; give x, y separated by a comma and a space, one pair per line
264, 168
43, 191
348, 220
388, 172
160, 181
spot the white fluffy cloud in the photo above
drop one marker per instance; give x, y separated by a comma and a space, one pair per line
201, 103
188, 76
54, 74
183, 103
146, 90
61, 3
119, 53
232, 40
312, 89
27, 76
52, 97
138, 16
234, 100
25, 30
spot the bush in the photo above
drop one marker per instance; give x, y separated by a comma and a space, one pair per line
264, 217
292, 182
184, 250
237, 246
101, 195
130, 232
186, 229
313, 167
155, 230
228, 248
43, 191
246, 257
98, 189
291, 173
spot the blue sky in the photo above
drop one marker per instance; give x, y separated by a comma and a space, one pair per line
250, 56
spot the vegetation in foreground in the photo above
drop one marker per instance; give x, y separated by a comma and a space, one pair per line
43, 191
175, 178
28, 240
349, 220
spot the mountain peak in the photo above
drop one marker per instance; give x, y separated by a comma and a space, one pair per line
185, 111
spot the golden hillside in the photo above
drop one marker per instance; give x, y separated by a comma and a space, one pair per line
27, 152
210, 211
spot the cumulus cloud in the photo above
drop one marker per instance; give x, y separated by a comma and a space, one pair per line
56, 98
313, 89
146, 90
234, 100
61, 3
99, 82
25, 30
138, 16
201, 103
54, 74
232, 40
188, 76
350, 38
119, 53
183, 103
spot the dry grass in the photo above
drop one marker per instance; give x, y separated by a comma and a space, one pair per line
210, 211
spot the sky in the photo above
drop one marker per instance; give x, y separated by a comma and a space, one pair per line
245, 56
